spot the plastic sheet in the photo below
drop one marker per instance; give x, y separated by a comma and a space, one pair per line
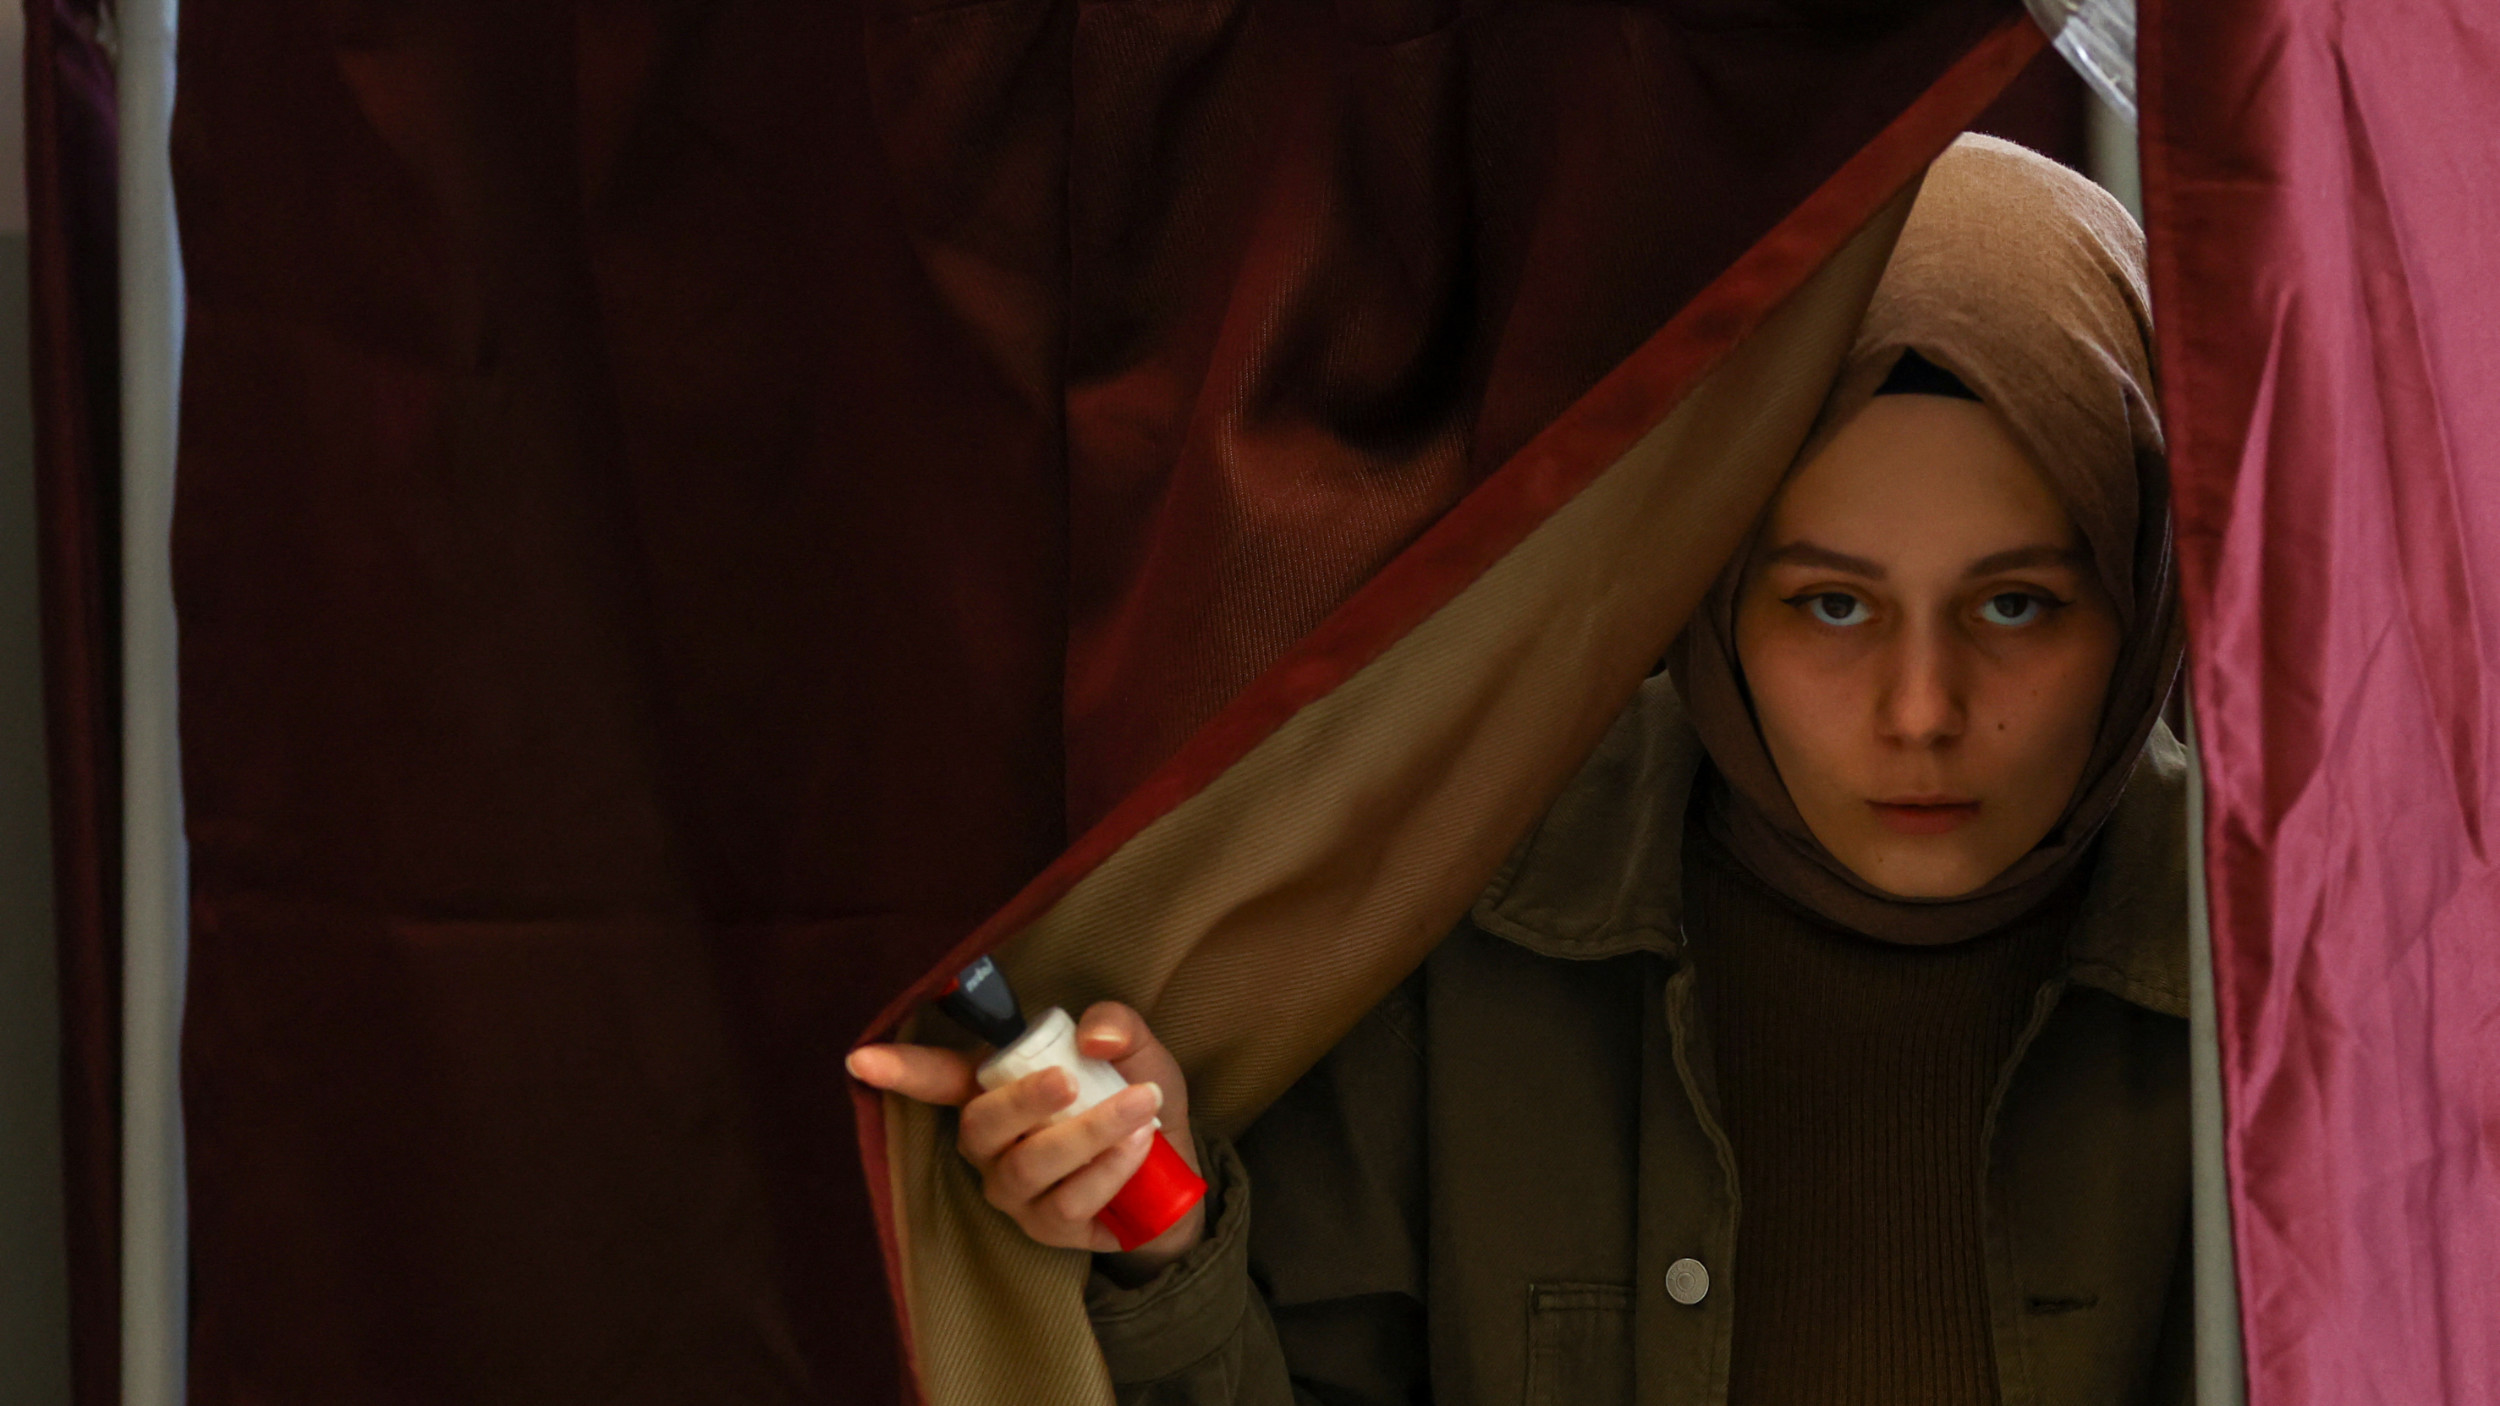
2098, 38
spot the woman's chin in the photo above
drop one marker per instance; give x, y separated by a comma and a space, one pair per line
1926, 871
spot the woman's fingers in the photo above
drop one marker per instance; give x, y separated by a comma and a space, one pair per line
995, 1121
1028, 1171
1111, 1031
1053, 1178
920, 1072
1082, 1194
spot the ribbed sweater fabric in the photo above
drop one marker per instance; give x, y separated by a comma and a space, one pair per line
1853, 1078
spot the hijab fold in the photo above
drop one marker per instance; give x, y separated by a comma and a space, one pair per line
2025, 282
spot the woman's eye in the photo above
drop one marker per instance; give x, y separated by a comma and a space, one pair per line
2013, 608
1834, 607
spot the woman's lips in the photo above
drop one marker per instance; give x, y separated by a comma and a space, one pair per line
1922, 816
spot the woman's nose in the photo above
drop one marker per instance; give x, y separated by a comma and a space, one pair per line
1921, 704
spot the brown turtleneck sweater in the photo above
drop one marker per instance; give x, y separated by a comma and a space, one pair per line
1853, 1078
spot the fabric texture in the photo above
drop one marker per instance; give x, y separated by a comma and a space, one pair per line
1854, 1079
1536, 1120
74, 252
2026, 281
2318, 188
1207, 1299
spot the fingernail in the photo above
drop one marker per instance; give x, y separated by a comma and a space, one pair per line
1141, 1100
1057, 1086
852, 1063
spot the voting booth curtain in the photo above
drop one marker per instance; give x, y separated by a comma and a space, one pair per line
686, 509
2326, 289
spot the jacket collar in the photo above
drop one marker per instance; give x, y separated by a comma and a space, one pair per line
1602, 874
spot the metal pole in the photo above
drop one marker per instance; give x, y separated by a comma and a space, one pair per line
2220, 1374
155, 887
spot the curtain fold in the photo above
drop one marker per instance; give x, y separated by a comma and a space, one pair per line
2327, 289
73, 253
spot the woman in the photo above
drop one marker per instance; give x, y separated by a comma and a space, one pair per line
1843, 987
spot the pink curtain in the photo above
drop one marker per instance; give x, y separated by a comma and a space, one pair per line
2319, 183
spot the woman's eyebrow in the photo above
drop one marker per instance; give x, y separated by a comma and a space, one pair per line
2020, 558
1808, 554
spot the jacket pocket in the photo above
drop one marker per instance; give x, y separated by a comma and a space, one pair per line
1579, 1345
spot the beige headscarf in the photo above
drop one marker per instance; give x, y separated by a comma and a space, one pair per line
2026, 281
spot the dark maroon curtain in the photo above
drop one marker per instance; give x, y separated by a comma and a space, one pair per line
2046, 108
685, 506
72, 266
2326, 237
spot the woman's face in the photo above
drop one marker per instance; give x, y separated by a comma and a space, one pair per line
1927, 646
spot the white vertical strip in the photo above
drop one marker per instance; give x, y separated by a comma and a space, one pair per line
2110, 146
2219, 1371
155, 887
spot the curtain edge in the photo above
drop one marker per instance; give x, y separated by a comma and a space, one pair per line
73, 277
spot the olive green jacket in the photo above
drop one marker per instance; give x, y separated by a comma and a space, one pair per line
1476, 1197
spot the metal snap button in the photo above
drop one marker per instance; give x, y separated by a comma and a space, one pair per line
1687, 1281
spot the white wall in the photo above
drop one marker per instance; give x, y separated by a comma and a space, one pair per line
34, 1315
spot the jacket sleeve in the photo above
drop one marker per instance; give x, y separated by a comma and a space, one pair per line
1198, 1334
1314, 1295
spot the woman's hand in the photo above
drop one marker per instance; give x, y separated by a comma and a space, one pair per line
1053, 1178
